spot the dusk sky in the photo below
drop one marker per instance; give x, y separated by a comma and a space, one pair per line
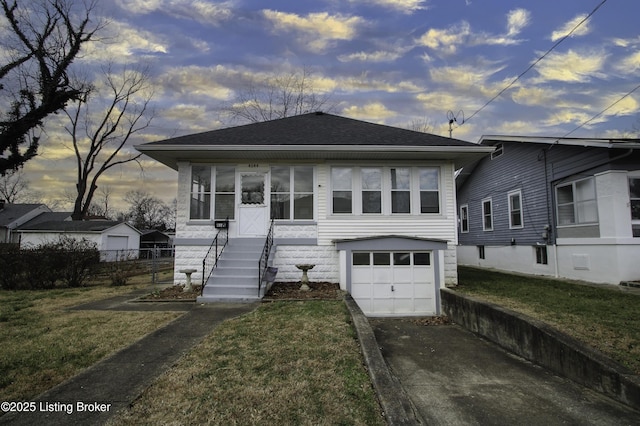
384, 61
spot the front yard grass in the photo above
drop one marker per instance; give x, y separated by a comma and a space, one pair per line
42, 343
603, 318
285, 363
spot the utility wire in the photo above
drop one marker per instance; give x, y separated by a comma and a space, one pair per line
536, 61
603, 111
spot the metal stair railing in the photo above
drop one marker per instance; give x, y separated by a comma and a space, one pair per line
210, 261
263, 263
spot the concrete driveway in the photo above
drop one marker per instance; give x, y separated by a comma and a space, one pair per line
453, 377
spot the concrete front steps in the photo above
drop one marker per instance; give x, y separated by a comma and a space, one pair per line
236, 277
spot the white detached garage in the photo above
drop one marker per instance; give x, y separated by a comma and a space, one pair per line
393, 275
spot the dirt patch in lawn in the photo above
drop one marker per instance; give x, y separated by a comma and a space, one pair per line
174, 292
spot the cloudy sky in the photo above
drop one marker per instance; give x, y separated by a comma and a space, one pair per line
386, 61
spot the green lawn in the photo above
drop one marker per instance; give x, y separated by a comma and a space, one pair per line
606, 318
287, 363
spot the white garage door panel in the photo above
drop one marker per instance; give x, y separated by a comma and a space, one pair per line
388, 290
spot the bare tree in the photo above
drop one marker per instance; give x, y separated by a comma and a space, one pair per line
423, 125
100, 207
13, 186
280, 96
98, 139
41, 41
148, 212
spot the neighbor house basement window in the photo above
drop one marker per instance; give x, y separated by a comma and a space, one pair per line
541, 255
200, 207
225, 192
481, 252
577, 202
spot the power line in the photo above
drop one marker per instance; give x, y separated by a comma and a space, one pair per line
537, 61
603, 111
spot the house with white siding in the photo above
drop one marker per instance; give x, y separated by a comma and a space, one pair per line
560, 207
372, 207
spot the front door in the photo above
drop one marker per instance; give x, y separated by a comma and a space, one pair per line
253, 210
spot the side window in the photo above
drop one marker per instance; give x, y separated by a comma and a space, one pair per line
464, 218
576, 202
200, 206
634, 205
487, 215
515, 209
341, 184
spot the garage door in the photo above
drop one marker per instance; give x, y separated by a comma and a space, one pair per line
386, 283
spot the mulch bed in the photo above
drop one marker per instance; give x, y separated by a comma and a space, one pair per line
291, 291
278, 291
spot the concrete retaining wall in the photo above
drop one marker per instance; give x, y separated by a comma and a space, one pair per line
543, 345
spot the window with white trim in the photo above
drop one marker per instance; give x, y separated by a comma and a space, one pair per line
464, 218
429, 193
371, 183
400, 190
487, 215
576, 202
225, 194
342, 193
200, 206
515, 209
292, 183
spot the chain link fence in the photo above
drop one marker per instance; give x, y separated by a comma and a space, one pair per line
141, 261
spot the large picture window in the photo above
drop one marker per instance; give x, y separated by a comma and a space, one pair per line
225, 192
292, 183
200, 207
576, 202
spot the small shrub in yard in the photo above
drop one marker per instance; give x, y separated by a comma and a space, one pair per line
11, 266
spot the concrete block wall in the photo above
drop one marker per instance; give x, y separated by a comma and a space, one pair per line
324, 257
543, 345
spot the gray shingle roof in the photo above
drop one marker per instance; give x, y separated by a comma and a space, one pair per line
72, 226
314, 129
12, 212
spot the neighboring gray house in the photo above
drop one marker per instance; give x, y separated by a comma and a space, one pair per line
14, 215
371, 206
563, 207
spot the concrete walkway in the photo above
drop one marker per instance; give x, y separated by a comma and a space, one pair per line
115, 382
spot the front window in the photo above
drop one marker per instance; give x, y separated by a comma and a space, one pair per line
400, 190
577, 202
487, 215
225, 192
515, 210
292, 183
200, 192
341, 183
429, 194
371, 190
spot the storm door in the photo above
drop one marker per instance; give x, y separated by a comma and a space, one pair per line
253, 209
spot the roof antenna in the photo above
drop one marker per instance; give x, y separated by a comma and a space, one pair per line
453, 118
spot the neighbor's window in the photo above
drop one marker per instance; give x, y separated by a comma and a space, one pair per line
371, 179
481, 252
292, 183
341, 184
515, 210
576, 202
487, 215
200, 192
225, 192
464, 218
634, 205
541, 255
400, 190
429, 193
